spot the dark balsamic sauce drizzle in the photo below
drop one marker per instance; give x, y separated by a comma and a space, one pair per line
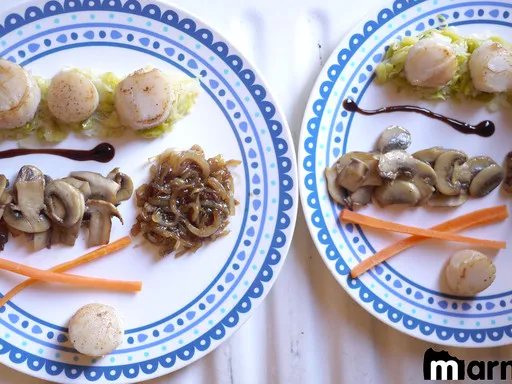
102, 153
485, 128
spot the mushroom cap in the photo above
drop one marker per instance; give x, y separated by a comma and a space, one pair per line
65, 204
486, 181
101, 187
125, 183
430, 155
27, 214
96, 330
393, 137
397, 192
445, 166
397, 163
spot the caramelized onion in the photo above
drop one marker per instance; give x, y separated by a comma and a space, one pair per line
187, 202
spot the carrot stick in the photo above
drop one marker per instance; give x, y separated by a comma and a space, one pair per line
64, 278
372, 222
87, 258
473, 219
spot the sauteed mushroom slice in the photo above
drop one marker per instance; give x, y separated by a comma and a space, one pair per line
27, 214
397, 163
352, 171
425, 180
393, 137
81, 185
359, 198
430, 155
5, 199
124, 181
4, 183
467, 171
69, 235
5, 195
447, 182
42, 240
397, 192
4, 234
369, 158
439, 200
336, 192
101, 187
486, 181
507, 183
100, 223
65, 204
353, 175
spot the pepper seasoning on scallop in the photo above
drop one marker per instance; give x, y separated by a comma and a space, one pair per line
72, 97
144, 99
19, 96
96, 330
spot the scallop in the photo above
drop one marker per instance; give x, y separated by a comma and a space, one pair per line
72, 97
431, 62
96, 330
144, 99
490, 67
469, 272
19, 96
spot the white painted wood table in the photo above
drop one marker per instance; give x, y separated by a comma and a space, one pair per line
308, 330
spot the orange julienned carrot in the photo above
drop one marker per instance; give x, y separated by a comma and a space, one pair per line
87, 258
64, 278
473, 219
372, 222
82, 281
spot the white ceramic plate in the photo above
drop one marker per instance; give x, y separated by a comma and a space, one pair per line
188, 305
407, 292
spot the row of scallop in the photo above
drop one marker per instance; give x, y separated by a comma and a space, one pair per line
143, 99
433, 62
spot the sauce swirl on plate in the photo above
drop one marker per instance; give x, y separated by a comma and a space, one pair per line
485, 128
102, 153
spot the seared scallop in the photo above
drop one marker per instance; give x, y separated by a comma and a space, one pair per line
72, 97
469, 272
96, 330
19, 96
490, 67
431, 62
143, 100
